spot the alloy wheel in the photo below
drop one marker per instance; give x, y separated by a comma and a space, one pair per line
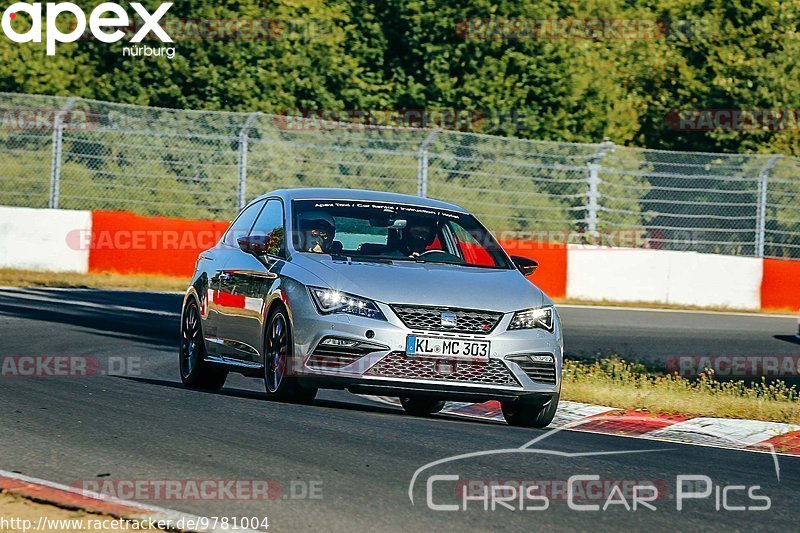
190, 340
278, 351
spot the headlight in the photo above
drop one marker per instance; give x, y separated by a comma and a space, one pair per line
330, 301
533, 318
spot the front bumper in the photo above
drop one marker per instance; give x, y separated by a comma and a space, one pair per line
388, 371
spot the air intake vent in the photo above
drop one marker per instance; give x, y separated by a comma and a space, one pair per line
327, 361
399, 365
540, 371
336, 352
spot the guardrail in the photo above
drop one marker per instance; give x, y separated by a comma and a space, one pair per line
59, 240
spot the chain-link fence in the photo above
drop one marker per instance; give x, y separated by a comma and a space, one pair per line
81, 154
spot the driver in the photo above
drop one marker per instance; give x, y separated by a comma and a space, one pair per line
416, 237
317, 230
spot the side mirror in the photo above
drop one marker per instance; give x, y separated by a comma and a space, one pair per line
264, 244
254, 244
524, 264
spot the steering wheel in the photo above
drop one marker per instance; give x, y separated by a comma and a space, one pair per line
426, 252
447, 257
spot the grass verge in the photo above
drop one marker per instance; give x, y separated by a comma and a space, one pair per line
28, 278
627, 385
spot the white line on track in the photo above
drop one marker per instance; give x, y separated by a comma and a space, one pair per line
22, 294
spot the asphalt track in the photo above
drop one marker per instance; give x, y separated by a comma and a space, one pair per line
358, 456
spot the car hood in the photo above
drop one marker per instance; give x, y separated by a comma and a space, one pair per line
408, 282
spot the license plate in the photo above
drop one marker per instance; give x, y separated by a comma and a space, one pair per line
451, 348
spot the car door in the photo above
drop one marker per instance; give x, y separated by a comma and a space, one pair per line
247, 282
217, 301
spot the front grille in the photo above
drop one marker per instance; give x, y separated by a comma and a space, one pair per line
430, 319
540, 372
399, 365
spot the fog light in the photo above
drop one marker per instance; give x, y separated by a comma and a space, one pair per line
343, 343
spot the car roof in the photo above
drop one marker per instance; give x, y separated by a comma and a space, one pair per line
359, 194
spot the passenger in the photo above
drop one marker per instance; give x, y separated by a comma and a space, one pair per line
317, 231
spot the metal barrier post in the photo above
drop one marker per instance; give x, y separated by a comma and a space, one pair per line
422, 171
593, 182
761, 217
58, 140
241, 191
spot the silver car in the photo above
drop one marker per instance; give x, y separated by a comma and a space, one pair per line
376, 293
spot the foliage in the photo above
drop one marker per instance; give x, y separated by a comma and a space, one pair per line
409, 54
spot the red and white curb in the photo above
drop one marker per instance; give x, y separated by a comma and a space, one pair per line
749, 435
66, 497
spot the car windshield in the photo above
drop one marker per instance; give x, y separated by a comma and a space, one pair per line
394, 232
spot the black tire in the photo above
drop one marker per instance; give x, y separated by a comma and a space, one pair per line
196, 373
529, 415
421, 406
278, 346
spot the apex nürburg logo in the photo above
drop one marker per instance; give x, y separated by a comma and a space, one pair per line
101, 21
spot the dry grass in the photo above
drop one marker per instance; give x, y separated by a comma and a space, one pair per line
617, 383
28, 278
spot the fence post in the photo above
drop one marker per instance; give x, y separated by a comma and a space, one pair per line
422, 171
55, 163
241, 189
593, 182
761, 214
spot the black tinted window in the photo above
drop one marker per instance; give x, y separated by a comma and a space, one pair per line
270, 226
241, 226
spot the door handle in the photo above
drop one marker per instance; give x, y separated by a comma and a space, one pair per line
258, 274
225, 276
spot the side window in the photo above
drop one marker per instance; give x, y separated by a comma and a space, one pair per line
471, 250
241, 226
270, 226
